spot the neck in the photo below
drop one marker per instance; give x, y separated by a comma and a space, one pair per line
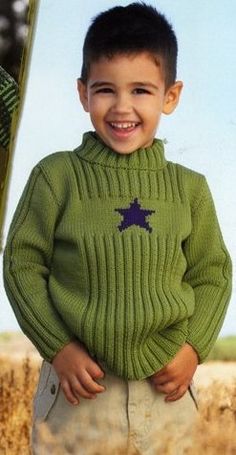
93, 149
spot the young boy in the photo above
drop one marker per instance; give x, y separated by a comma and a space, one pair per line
115, 265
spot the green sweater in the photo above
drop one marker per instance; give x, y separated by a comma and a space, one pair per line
122, 252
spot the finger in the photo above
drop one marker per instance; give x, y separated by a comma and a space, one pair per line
90, 384
95, 371
161, 380
177, 394
73, 399
168, 388
78, 389
161, 377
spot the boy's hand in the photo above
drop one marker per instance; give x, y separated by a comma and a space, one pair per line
175, 377
77, 373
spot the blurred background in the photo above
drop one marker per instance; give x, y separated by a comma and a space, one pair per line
13, 34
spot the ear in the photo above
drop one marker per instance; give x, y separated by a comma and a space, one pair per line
172, 97
83, 94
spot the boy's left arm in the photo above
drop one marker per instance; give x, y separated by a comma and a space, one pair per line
209, 273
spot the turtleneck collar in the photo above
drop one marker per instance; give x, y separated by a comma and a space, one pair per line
94, 150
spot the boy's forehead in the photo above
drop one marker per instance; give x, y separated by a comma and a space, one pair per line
122, 60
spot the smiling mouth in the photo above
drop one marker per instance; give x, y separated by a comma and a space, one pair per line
123, 126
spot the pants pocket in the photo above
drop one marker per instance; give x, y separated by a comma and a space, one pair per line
193, 394
46, 393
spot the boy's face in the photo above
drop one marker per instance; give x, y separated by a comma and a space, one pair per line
125, 97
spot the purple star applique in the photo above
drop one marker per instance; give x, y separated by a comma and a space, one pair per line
134, 215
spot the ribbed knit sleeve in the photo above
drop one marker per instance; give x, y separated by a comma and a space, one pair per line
27, 259
208, 273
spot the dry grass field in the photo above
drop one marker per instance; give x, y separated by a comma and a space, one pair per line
215, 432
17, 384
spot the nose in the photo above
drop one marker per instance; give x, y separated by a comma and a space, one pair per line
122, 104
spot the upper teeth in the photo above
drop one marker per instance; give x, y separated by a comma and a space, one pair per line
123, 125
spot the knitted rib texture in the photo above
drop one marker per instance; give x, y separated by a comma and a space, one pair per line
123, 252
9, 100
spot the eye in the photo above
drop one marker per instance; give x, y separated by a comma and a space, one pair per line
140, 91
104, 90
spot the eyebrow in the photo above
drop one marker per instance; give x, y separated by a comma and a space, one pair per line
98, 84
145, 84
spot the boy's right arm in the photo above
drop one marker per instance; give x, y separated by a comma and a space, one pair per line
27, 260
26, 267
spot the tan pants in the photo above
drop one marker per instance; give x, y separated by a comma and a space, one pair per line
130, 417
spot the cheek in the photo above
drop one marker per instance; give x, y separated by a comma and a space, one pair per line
97, 109
99, 102
150, 109
153, 115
